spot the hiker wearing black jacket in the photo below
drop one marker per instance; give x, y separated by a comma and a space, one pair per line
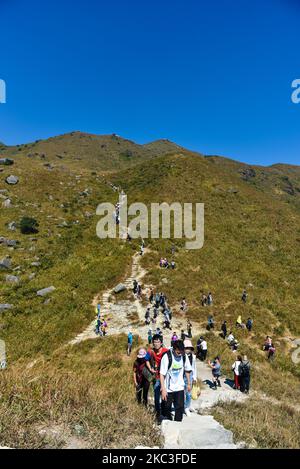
244, 374
224, 329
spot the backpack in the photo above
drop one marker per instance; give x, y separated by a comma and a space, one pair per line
244, 370
170, 358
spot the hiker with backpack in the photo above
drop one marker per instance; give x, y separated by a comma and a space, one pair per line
97, 326
103, 328
150, 336
235, 369
189, 329
204, 300
210, 323
157, 300
244, 374
129, 342
216, 371
244, 296
141, 383
153, 360
183, 305
203, 349
224, 329
249, 324
174, 365
271, 352
209, 299
151, 295
191, 357
173, 338
135, 286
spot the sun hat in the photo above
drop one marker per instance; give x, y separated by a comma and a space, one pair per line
142, 353
188, 344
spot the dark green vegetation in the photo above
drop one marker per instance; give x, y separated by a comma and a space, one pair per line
252, 240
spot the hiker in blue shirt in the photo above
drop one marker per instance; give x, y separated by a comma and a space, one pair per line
249, 324
129, 343
216, 371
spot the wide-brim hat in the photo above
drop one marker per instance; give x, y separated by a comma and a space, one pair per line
142, 353
188, 344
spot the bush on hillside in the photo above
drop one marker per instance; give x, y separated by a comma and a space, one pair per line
28, 225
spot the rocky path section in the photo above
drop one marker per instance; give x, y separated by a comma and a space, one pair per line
125, 315
201, 430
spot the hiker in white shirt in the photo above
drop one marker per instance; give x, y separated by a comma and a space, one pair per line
235, 369
174, 365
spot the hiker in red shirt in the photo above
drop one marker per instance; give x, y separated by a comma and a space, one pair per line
153, 359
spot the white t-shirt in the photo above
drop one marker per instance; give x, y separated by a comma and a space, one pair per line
204, 345
235, 367
174, 377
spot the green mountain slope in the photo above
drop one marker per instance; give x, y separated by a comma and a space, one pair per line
252, 240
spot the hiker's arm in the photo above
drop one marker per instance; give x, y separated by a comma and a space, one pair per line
134, 378
148, 365
163, 390
189, 384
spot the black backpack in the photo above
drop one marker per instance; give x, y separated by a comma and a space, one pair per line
244, 370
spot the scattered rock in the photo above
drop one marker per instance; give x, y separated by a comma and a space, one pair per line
5, 306
79, 430
248, 173
12, 226
8, 242
12, 279
7, 203
12, 180
6, 161
64, 224
45, 291
46, 302
5, 263
31, 276
232, 190
119, 288
35, 264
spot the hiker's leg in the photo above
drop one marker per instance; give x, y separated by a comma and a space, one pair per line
166, 406
247, 383
146, 386
156, 389
179, 405
242, 383
236, 381
139, 393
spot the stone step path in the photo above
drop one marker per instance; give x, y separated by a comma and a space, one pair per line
201, 430
125, 315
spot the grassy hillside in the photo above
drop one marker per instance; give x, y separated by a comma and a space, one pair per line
252, 240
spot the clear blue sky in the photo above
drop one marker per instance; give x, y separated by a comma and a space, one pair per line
214, 76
